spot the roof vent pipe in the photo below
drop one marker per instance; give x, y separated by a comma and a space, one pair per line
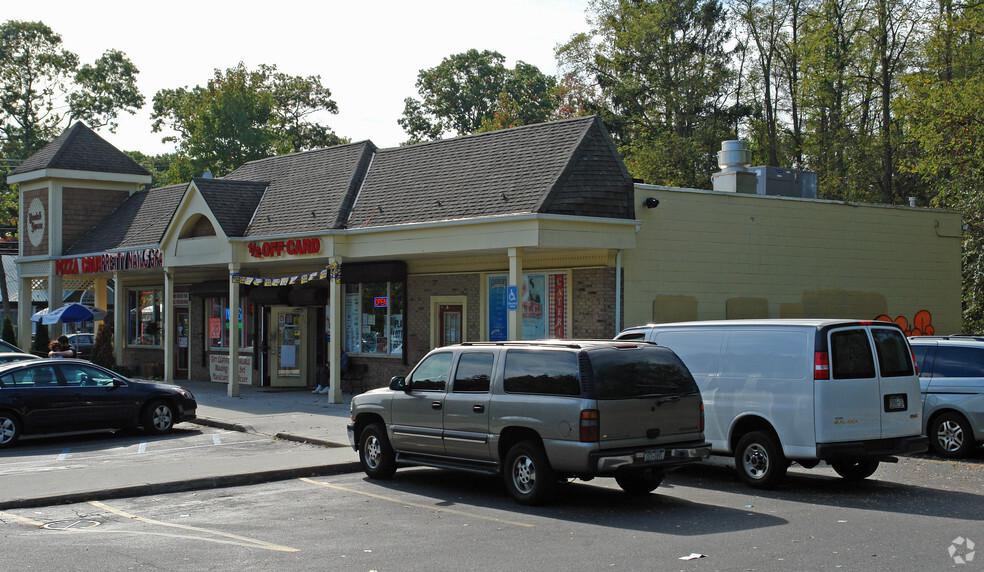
735, 176
207, 175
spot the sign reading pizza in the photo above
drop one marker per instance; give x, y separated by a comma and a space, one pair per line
110, 262
292, 247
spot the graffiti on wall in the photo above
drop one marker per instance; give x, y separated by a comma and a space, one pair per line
922, 323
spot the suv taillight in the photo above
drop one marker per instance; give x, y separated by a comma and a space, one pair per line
701, 416
915, 366
821, 365
590, 423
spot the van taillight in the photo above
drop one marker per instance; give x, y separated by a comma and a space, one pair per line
590, 422
821, 365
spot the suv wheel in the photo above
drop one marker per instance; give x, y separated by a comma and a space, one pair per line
950, 436
375, 453
856, 470
640, 482
528, 475
759, 460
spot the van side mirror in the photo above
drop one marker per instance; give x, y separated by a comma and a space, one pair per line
399, 384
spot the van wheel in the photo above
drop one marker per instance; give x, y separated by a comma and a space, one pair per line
856, 470
759, 460
375, 453
951, 436
528, 475
10, 429
640, 482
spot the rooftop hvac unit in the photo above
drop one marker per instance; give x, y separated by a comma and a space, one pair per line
786, 182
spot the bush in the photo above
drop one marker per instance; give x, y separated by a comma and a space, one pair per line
9, 335
102, 348
41, 340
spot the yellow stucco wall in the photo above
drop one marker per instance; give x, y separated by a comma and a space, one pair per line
704, 255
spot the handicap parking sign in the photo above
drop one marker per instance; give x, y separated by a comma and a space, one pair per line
512, 297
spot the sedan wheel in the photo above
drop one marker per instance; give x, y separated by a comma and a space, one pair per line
158, 418
9, 430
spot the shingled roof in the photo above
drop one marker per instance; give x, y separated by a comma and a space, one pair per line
79, 148
566, 167
308, 192
232, 202
139, 222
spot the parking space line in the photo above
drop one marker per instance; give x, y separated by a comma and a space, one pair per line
142, 448
64, 453
250, 542
417, 505
216, 438
7, 515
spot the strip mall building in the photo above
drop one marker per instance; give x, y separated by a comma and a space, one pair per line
525, 233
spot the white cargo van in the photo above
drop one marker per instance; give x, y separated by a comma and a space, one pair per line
777, 391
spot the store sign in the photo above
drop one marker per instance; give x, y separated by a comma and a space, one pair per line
182, 299
35, 222
218, 368
133, 260
281, 247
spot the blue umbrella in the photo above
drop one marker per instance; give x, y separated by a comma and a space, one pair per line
69, 313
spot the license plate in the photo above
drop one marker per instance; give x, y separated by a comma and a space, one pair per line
895, 402
651, 455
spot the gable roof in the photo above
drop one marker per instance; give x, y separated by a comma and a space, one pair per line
308, 192
232, 202
543, 168
79, 148
139, 222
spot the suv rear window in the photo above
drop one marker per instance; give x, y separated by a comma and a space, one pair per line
542, 372
637, 372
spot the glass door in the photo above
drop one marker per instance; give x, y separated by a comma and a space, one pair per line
289, 342
181, 343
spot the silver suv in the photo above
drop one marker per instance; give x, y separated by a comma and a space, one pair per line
537, 413
951, 376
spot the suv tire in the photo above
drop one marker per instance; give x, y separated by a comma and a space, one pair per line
375, 453
528, 475
760, 461
950, 436
640, 482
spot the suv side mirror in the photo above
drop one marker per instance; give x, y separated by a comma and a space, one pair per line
399, 384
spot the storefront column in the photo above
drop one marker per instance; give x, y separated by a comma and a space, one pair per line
25, 294
120, 314
100, 295
234, 312
336, 315
169, 325
55, 295
515, 279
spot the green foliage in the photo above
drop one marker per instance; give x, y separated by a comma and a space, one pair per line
241, 115
662, 70
9, 335
41, 339
159, 167
102, 347
474, 91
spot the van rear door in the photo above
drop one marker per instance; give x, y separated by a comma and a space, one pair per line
901, 403
848, 403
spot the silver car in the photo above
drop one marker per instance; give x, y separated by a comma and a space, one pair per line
951, 375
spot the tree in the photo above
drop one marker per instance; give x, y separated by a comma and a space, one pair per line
9, 335
474, 91
41, 339
102, 347
241, 115
664, 75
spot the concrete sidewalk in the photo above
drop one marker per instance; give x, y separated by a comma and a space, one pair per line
287, 414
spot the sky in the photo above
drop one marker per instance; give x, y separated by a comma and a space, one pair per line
368, 54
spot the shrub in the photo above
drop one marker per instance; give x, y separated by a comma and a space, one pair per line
41, 340
9, 335
102, 347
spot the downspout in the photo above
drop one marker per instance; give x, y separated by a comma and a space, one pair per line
618, 292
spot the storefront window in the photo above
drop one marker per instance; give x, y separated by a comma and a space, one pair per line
217, 314
374, 318
542, 301
145, 324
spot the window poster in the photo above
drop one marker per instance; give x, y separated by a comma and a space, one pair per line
531, 298
498, 322
353, 327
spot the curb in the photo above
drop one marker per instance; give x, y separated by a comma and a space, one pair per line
185, 486
295, 437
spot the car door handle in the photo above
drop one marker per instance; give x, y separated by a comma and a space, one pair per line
435, 405
478, 408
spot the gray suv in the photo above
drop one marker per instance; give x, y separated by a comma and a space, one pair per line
536, 413
951, 375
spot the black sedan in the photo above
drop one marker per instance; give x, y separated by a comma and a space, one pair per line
59, 395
